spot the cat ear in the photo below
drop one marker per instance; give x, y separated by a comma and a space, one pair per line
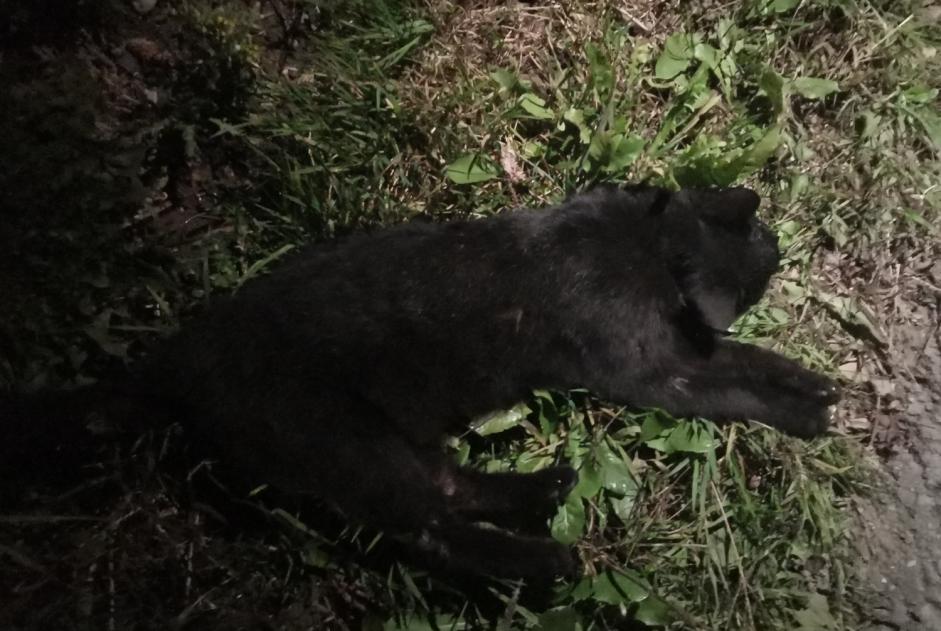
727, 205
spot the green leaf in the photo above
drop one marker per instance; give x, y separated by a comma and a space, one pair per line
812, 88
315, 556
613, 152
569, 522
535, 106
778, 315
600, 147
798, 185
692, 437
548, 412
589, 482
867, 123
582, 590
654, 425
616, 588
816, 616
759, 153
931, 122
660, 444
292, 521
508, 81
772, 84
501, 420
623, 507
654, 612
624, 150
100, 331
532, 149
602, 76
471, 169
560, 619
616, 474
228, 128
676, 56
400, 53
577, 118
920, 94
780, 6
529, 462
919, 219
687, 436
706, 54
416, 622
261, 264
750, 160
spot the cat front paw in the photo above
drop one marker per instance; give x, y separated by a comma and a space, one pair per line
813, 387
828, 391
556, 483
562, 562
802, 417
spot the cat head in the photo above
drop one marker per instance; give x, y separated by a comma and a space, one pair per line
720, 253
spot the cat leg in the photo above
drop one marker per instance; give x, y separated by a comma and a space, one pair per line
725, 398
736, 382
518, 501
432, 509
347, 453
767, 368
477, 550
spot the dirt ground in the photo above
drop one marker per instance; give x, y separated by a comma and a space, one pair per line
898, 530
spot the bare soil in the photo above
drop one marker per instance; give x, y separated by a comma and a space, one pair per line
899, 528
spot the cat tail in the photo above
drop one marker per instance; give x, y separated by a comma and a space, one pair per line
51, 429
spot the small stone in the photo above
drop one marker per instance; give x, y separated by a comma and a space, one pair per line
930, 616
145, 50
128, 62
883, 387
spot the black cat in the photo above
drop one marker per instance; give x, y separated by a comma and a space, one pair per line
339, 374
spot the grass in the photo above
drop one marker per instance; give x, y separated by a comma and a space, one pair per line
387, 111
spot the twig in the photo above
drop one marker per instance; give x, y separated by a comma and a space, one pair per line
929, 334
628, 16
21, 559
46, 519
891, 32
285, 27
